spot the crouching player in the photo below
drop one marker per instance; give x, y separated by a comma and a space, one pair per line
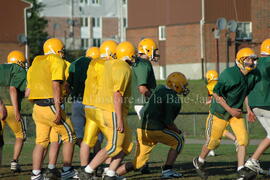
158, 116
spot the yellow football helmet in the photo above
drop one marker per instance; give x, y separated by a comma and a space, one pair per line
265, 47
16, 57
108, 49
211, 75
178, 82
93, 53
125, 51
54, 46
148, 46
242, 56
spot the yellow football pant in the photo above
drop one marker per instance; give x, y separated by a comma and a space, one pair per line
43, 117
147, 140
216, 126
94, 122
17, 127
107, 124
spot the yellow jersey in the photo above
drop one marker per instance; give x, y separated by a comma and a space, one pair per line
93, 82
116, 78
44, 70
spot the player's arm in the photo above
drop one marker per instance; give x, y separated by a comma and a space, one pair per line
57, 100
3, 110
118, 100
14, 100
250, 114
144, 90
233, 111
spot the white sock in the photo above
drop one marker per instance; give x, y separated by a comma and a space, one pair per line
105, 169
88, 169
201, 159
110, 173
239, 168
36, 172
51, 166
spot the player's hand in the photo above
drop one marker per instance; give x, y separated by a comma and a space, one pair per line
18, 116
120, 126
236, 112
251, 116
58, 119
3, 111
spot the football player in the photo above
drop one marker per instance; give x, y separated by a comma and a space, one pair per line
211, 80
13, 81
111, 111
93, 85
45, 77
157, 126
259, 104
229, 93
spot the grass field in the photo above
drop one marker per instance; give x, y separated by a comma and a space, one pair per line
222, 166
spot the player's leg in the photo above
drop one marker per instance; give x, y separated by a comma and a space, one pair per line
176, 142
264, 117
65, 130
42, 117
90, 136
78, 121
19, 130
239, 129
1, 143
144, 148
214, 130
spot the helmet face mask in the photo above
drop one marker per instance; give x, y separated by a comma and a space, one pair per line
246, 59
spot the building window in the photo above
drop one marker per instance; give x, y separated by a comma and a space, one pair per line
84, 21
162, 33
244, 31
124, 22
124, 1
96, 42
96, 22
81, 1
84, 43
97, 2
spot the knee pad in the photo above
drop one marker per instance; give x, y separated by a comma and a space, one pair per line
43, 144
212, 143
243, 141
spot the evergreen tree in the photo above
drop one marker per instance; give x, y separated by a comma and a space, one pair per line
36, 29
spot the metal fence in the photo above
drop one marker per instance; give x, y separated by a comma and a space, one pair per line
191, 123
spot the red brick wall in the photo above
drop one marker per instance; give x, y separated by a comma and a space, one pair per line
211, 48
109, 27
260, 15
63, 30
183, 44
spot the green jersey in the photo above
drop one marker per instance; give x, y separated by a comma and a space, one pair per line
12, 75
260, 96
161, 109
233, 86
142, 75
77, 76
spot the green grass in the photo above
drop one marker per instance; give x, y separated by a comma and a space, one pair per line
222, 166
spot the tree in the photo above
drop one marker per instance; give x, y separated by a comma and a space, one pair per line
36, 29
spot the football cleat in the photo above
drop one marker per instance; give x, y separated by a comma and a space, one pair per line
199, 168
